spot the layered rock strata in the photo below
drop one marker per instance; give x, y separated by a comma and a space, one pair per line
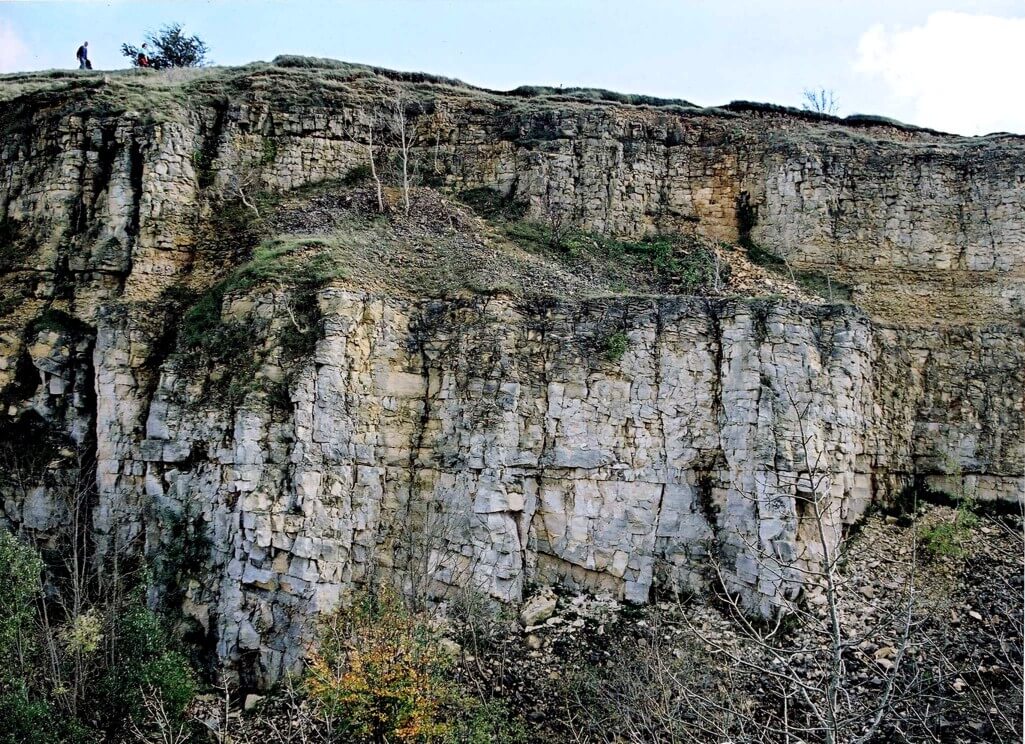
491, 442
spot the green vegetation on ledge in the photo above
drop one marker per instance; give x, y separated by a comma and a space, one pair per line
295, 268
672, 263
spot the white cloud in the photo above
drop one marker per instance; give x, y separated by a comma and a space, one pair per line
961, 72
13, 52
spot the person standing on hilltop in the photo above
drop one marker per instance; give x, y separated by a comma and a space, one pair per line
83, 57
143, 59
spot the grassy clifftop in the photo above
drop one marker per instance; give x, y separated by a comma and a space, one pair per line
313, 80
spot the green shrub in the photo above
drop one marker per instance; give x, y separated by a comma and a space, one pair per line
535, 235
662, 253
487, 722
180, 558
172, 676
948, 539
381, 672
28, 720
665, 257
202, 164
697, 270
297, 265
761, 257
810, 280
98, 662
616, 346
270, 151
202, 321
941, 540
529, 232
492, 204
24, 717
290, 262
674, 262
168, 48
297, 343
357, 175
20, 586
143, 659
234, 228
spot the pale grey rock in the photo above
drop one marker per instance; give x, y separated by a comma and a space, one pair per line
538, 608
606, 477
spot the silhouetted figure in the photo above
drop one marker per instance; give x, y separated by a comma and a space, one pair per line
83, 57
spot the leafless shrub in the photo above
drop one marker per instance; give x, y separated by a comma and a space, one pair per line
403, 132
72, 616
664, 686
835, 708
555, 220
242, 177
399, 134
821, 101
159, 725
834, 664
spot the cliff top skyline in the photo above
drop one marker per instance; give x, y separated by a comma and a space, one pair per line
947, 69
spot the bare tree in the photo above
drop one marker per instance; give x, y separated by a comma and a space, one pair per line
405, 131
437, 124
434, 569
833, 712
373, 168
560, 227
719, 275
368, 141
242, 176
821, 101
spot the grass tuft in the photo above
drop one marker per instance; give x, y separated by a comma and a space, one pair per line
948, 539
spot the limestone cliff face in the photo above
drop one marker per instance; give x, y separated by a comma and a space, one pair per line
492, 441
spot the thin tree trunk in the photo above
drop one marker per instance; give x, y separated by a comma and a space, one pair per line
373, 168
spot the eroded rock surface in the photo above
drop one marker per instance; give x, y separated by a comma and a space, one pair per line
491, 441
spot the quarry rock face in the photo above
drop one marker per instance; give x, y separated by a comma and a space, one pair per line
497, 442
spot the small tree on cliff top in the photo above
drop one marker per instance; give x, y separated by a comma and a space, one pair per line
821, 101
169, 48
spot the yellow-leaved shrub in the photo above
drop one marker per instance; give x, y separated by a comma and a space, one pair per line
381, 674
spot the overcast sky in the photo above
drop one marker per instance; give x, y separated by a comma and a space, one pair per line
954, 66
